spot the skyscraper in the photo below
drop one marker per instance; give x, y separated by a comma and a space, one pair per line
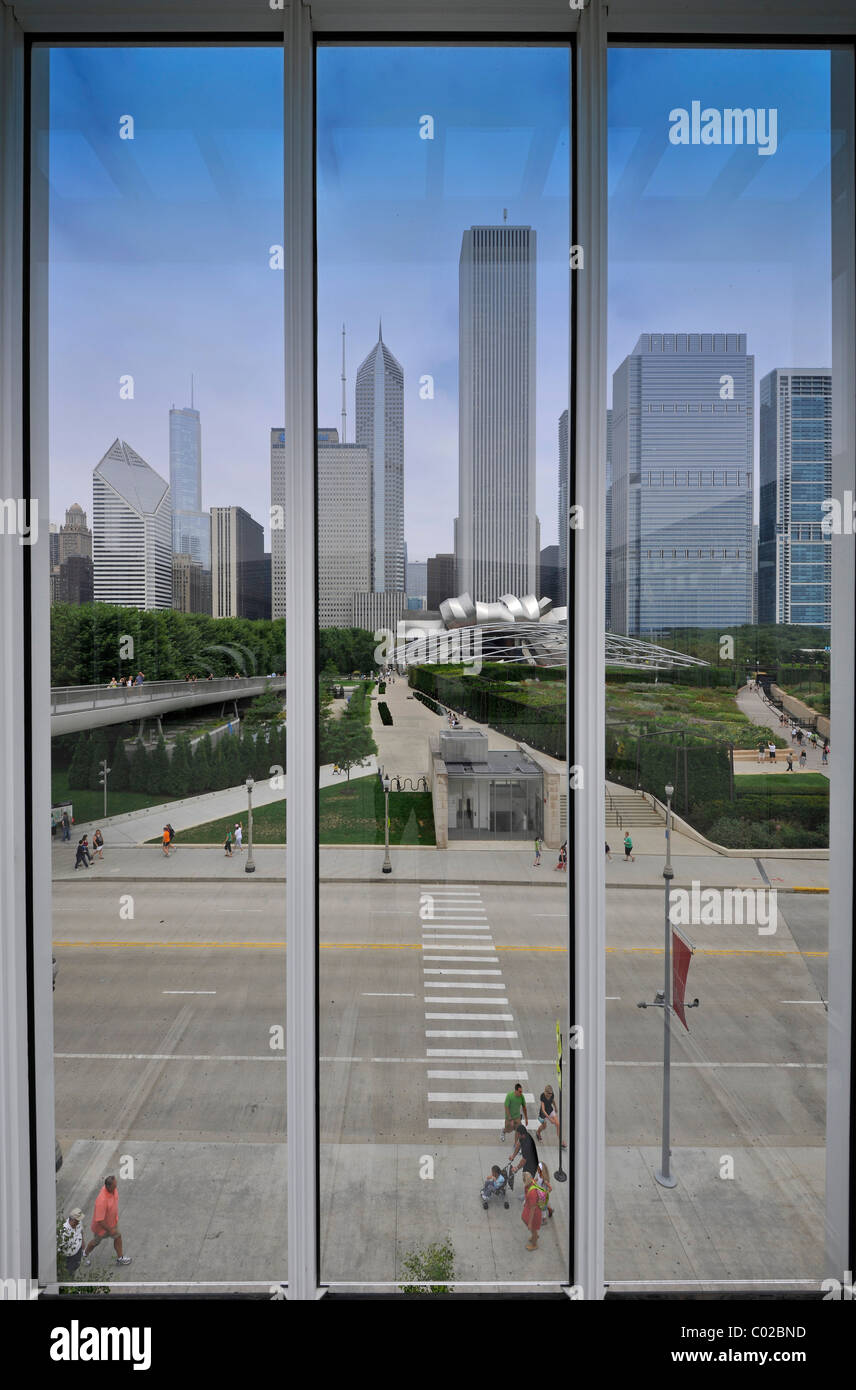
131, 531
191, 526
608, 603
682, 470
75, 538
344, 528
238, 584
794, 556
442, 580
496, 546
277, 521
380, 430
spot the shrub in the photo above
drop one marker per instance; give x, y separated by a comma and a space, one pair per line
428, 1263
383, 711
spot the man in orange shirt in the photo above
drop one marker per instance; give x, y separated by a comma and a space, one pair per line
105, 1222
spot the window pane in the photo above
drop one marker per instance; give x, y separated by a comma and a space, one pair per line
443, 218
157, 216
721, 361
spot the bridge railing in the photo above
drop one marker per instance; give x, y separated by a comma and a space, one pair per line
93, 696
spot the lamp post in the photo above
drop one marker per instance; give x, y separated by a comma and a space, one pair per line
249, 867
664, 1175
387, 863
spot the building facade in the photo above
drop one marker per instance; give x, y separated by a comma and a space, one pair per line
794, 556
380, 430
191, 526
344, 529
277, 521
75, 537
563, 504
191, 585
131, 531
442, 580
237, 565
496, 548
682, 483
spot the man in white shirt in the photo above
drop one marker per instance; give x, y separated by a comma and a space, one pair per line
71, 1239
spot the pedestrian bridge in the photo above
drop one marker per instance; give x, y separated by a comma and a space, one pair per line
77, 707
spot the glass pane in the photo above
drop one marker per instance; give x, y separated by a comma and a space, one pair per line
158, 214
719, 460
443, 290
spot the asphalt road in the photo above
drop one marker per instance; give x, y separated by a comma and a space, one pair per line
163, 1042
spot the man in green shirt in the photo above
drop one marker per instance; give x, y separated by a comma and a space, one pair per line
514, 1106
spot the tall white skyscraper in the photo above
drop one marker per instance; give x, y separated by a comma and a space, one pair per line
380, 430
191, 526
344, 528
131, 531
496, 542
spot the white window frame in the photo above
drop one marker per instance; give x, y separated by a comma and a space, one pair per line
26, 1027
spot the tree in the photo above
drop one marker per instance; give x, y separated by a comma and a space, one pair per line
427, 1263
181, 767
157, 768
264, 710
202, 774
78, 772
350, 743
120, 777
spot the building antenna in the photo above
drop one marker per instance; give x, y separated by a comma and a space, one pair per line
344, 398
505, 214
191, 390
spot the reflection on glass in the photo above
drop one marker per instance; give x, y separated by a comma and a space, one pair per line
719, 459
443, 217
158, 193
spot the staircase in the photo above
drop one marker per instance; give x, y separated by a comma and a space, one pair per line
629, 809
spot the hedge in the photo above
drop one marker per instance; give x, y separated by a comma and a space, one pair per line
383, 711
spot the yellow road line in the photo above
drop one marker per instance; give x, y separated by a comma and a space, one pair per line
804, 888
409, 946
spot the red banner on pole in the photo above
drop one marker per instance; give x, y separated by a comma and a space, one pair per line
681, 957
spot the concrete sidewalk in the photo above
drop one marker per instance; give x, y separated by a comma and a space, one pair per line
753, 705
480, 863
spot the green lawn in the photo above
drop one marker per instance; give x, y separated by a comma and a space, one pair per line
350, 815
790, 784
89, 806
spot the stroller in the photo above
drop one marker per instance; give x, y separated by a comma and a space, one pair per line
498, 1186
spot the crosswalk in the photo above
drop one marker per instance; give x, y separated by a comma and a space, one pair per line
458, 955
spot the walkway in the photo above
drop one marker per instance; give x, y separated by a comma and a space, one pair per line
755, 707
78, 707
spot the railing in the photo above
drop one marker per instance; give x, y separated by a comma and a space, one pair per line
95, 696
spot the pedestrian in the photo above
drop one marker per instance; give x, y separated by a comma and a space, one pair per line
139, 679
81, 855
771, 749
98, 845
824, 757
166, 842
529, 1161
171, 834
628, 848
105, 1222
227, 843
239, 836
803, 757
563, 856
515, 1103
537, 861
547, 1113
608, 852
531, 1215
71, 1239
66, 826
760, 752
790, 761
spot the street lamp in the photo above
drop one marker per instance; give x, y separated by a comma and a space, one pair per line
664, 1175
387, 863
249, 867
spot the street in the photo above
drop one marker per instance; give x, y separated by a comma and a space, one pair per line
163, 1042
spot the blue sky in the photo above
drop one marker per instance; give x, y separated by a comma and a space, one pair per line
159, 246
